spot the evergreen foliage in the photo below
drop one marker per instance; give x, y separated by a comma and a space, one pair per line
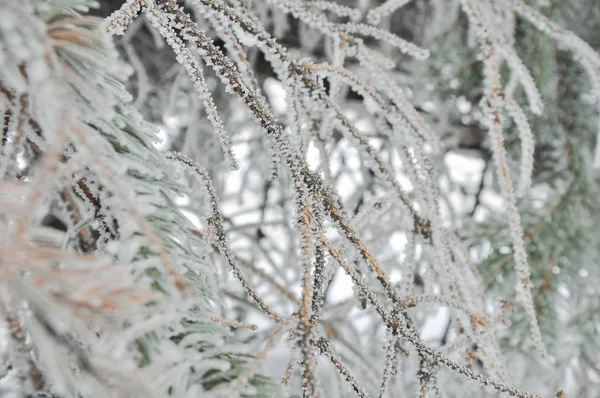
301, 198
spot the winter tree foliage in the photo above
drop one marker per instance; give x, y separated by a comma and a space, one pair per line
285, 198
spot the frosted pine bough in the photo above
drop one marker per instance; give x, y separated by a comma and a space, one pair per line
114, 304
168, 302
